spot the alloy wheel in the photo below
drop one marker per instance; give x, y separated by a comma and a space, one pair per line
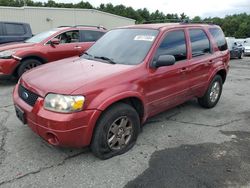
120, 133
215, 92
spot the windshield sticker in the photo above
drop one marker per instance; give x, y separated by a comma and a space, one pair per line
144, 38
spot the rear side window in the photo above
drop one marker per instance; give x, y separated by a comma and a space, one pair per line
219, 38
199, 42
14, 29
91, 36
173, 44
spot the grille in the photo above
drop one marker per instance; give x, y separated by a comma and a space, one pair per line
27, 96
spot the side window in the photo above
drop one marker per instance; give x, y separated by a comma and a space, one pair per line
14, 29
219, 38
91, 36
173, 44
69, 37
199, 42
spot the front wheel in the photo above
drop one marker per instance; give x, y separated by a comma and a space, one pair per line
212, 95
27, 65
116, 131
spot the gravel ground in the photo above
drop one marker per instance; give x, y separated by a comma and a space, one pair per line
187, 146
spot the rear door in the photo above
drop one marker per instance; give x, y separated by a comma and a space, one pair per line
168, 86
68, 46
202, 59
88, 38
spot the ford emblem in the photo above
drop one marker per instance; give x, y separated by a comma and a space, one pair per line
25, 95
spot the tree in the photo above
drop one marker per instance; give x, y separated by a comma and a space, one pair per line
144, 14
197, 19
183, 16
50, 3
82, 4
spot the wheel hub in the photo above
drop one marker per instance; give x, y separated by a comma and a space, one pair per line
215, 92
120, 133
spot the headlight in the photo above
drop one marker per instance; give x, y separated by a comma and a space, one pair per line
6, 54
64, 103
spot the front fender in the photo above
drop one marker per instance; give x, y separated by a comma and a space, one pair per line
29, 53
109, 96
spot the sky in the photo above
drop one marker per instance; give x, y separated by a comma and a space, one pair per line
202, 8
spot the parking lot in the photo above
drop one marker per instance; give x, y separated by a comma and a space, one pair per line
187, 146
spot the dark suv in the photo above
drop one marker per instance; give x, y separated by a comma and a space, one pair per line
14, 32
48, 46
103, 98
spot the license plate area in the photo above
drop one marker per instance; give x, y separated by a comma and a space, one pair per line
20, 115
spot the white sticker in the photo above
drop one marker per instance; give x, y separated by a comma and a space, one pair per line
144, 38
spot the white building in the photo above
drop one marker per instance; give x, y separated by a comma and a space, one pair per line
44, 18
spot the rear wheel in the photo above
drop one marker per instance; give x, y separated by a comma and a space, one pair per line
116, 131
27, 65
212, 95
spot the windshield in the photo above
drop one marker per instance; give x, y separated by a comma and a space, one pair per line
41, 36
123, 46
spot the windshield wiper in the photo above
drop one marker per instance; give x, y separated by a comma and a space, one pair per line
86, 53
111, 61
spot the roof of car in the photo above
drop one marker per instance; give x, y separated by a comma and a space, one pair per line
166, 25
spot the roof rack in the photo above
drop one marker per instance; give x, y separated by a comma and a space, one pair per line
187, 21
64, 26
163, 21
98, 27
181, 21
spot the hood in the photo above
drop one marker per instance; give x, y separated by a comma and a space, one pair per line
15, 46
66, 76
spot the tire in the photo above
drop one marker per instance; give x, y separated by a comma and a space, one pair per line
103, 146
212, 95
27, 65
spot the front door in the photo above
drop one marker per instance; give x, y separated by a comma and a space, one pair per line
68, 46
168, 86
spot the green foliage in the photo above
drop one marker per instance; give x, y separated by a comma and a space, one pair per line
197, 19
237, 25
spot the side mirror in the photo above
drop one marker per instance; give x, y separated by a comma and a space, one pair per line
164, 60
54, 41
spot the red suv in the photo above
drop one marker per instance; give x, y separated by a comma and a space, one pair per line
56, 44
103, 98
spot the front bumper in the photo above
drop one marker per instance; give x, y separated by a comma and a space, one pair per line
70, 130
7, 66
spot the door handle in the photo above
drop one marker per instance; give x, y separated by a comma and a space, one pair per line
182, 70
210, 62
77, 47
